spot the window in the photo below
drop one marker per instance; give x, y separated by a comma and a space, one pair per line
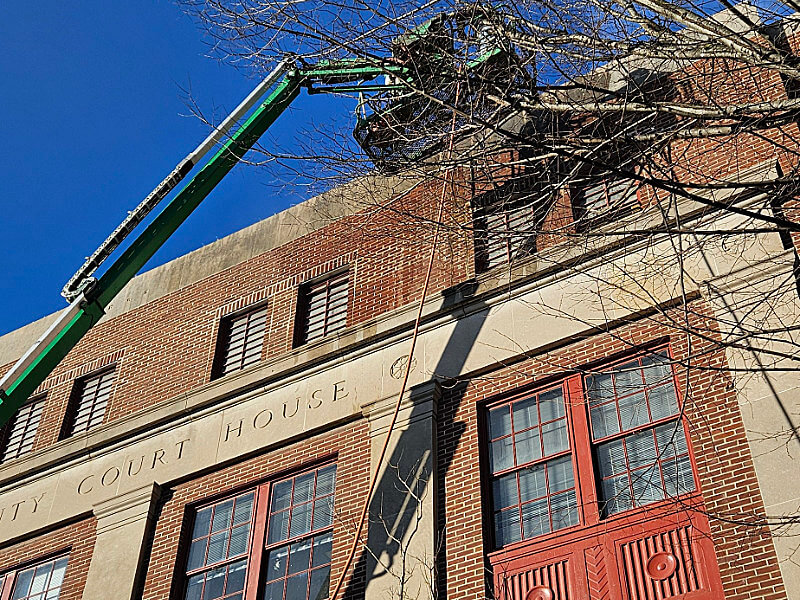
273, 542
89, 401
217, 561
623, 420
39, 582
322, 308
507, 220
606, 197
19, 434
241, 338
638, 463
299, 537
533, 487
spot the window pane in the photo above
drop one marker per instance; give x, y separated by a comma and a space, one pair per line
215, 584
554, 437
647, 486
299, 556
274, 590
499, 422
564, 510
504, 491
559, 474
222, 516
535, 518
600, 388
202, 522
657, 369
501, 455
217, 547
678, 478
301, 520
616, 495
197, 554
326, 480
611, 458
281, 496
551, 404
297, 587
194, 589
278, 527
525, 413
276, 563
303, 488
320, 584
506, 527
532, 483
239, 538
322, 550
641, 449
633, 411
604, 420
323, 512
671, 439
236, 577
663, 402
528, 446
628, 378
244, 509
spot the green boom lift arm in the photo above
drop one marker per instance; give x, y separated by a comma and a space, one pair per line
89, 296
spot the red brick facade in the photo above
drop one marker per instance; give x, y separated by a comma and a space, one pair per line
165, 348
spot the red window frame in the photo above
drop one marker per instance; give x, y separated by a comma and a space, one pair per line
11, 579
583, 447
563, 561
528, 466
258, 546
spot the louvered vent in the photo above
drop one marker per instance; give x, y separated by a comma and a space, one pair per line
545, 582
510, 234
323, 308
92, 398
660, 566
22, 430
606, 195
241, 341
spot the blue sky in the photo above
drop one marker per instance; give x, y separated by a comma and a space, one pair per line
92, 107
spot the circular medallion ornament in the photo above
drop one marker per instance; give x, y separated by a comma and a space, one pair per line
540, 592
398, 368
661, 565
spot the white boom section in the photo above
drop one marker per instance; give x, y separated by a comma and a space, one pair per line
42, 342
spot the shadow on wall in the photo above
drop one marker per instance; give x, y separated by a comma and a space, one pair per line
406, 554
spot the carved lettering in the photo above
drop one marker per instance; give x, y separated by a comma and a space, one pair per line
339, 391
16, 506
130, 464
315, 397
180, 447
296, 408
158, 457
262, 419
88, 488
229, 429
36, 502
115, 473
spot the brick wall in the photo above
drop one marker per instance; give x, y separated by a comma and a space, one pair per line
743, 543
76, 539
348, 445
